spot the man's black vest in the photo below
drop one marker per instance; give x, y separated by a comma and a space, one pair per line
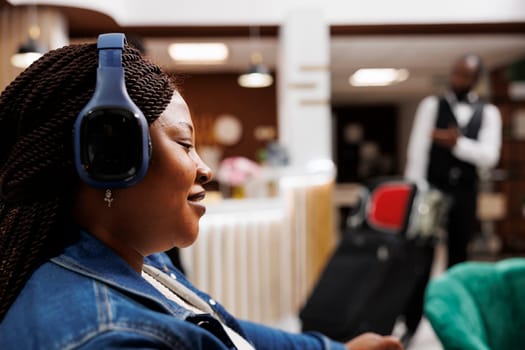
445, 171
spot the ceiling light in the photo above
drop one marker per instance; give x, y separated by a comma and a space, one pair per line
378, 76
30, 50
27, 53
257, 75
198, 53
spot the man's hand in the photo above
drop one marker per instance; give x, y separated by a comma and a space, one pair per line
373, 341
446, 137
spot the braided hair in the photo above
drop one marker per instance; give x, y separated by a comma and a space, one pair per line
37, 174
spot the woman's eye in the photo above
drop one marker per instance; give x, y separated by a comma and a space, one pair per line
186, 145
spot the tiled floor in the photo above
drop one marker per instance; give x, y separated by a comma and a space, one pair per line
425, 338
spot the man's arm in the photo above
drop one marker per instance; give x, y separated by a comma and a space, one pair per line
421, 139
485, 151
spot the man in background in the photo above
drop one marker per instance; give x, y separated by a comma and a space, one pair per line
452, 137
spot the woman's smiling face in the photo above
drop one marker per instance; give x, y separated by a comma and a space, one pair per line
163, 210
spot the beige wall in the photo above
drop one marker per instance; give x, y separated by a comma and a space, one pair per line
212, 95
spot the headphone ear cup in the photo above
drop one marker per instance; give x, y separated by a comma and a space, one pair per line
112, 143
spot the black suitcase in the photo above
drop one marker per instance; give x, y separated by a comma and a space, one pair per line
371, 280
378, 272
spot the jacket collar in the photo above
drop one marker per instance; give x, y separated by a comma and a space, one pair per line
92, 258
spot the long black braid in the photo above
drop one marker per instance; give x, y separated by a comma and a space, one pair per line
37, 176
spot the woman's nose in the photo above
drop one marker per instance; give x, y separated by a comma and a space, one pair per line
204, 174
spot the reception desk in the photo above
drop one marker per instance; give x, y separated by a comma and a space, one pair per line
261, 257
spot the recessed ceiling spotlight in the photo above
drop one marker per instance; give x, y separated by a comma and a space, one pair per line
198, 53
378, 76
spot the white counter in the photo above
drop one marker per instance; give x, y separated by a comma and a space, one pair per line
260, 257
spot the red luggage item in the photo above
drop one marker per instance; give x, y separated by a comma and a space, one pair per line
389, 206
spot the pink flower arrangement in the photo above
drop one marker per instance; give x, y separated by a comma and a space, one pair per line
236, 171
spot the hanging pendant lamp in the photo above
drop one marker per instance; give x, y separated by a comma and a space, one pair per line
257, 75
31, 49
27, 53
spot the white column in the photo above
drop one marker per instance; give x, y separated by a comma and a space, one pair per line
303, 88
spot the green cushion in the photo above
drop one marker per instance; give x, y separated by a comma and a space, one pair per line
479, 305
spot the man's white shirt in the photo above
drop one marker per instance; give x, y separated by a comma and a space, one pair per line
483, 152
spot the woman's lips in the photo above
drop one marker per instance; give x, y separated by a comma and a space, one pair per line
194, 202
197, 197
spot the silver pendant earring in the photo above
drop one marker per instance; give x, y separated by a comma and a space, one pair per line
108, 197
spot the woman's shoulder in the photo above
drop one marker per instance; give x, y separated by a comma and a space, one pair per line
59, 309
54, 302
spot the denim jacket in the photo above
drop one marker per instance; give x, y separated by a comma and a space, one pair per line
89, 298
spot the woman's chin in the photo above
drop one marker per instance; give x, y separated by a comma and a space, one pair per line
188, 239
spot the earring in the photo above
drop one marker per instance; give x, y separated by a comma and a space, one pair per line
108, 197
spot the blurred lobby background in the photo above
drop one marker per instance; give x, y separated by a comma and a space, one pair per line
289, 155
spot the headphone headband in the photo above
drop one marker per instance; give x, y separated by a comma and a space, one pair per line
111, 41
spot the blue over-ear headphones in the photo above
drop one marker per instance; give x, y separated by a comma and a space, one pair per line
111, 138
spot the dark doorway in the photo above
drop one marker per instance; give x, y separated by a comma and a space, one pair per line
366, 142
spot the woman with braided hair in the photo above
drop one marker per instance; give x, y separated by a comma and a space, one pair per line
82, 266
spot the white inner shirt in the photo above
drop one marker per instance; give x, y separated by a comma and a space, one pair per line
483, 152
184, 297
